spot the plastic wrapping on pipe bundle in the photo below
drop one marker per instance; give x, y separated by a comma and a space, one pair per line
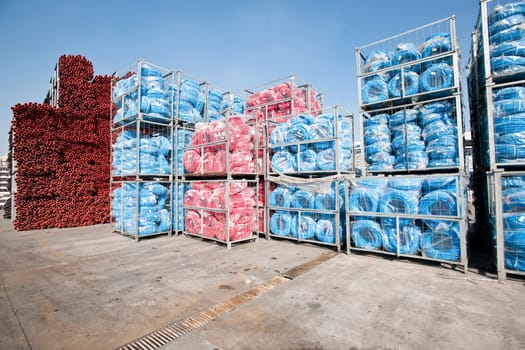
412, 145
326, 201
376, 133
412, 130
377, 61
409, 237
438, 129
506, 23
403, 84
438, 151
510, 153
192, 161
435, 44
394, 201
441, 244
325, 229
298, 132
412, 160
507, 64
303, 226
281, 223
501, 12
514, 33
514, 250
514, 200
512, 181
193, 222
283, 162
307, 161
403, 116
514, 222
406, 52
508, 107
513, 48
403, 142
438, 203
445, 183
362, 199
436, 77
303, 199
326, 160
281, 197
509, 93
374, 148
374, 90
405, 184
367, 234
377, 119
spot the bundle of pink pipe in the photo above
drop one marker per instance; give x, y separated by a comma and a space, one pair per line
241, 210
210, 158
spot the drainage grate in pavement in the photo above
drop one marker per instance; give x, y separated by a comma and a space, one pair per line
174, 330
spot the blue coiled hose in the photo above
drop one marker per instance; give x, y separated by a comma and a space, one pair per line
437, 77
514, 222
412, 130
325, 201
281, 223
438, 129
515, 33
322, 127
513, 48
438, 203
509, 124
326, 159
367, 234
303, 199
445, 183
413, 145
514, 200
374, 148
376, 61
403, 116
283, 162
279, 135
507, 64
303, 228
406, 53
374, 90
383, 157
307, 161
325, 229
281, 197
509, 153
435, 44
514, 250
298, 132
405, 184
506, 23
511, 9
376, 133
442, 163
402, 141
509, 93
508, 107
411, 160
409, 237
441, 244
362, 199
377, 119
437, 107
394, 201
512, 181
404, 84
442, 152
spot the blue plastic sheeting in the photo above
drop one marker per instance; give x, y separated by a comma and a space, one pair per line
442, 244
281, 223
409, 237
435, 44
394, 201
303, 226
377, 119
508, 10
514, 200
436, 77
374, 90
325, 229
278, 136
509, 124
283, 162
406, 184
376, 133
303, 200
367, 234
514, 250
506, 23
403, 84
362, 199
507, 64
281, 197
438, 203
514, 33
445, 183
509, 93
406, 53
403, 116
514, 222
512, 181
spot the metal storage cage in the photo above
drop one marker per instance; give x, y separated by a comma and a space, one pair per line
312, 146
423, 217
415, 137
141, 208
416, 65
223, 210
507, 217
306, 210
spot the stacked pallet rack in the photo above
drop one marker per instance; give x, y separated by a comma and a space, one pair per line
496, 81
308, 151
141, 141
412, 200
219, 177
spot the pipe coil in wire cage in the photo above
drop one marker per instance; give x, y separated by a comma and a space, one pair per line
404, 84
445, 183
284, 162
406, 184
509, 93
512, 181
506, 11
394, 201
438, 203
406, 52
325, 201
510, 124
507, 64
362, 199
367, 234
437, 77
514, 250
374, 90
280, 197
514, 222
409, 237
514, 200
435, 44
377, 119
443, 244
307, 161
402, 117
303, 228
281, 223
325, 229
303, 199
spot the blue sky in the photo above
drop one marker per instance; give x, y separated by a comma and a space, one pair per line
232, 44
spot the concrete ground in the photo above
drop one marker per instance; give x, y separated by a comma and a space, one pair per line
86, 288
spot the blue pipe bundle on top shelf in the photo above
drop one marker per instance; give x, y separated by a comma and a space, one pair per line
307, 144
142, 215
436, 236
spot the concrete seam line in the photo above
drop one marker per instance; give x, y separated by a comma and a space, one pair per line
13, 310
201, 318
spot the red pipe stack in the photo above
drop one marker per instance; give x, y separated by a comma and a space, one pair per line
62, 153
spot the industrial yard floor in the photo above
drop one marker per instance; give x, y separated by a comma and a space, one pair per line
86, 288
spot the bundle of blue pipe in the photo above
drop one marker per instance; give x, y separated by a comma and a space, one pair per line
507, 38
513, 193
509, 124
181, 141
153, 154
178, 210
191, 99
311, 144
377, 140
408, 146
288, 218
434, 196
148, 200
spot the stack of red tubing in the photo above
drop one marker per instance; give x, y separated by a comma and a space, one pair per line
211, 159
241, 210
62, 153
